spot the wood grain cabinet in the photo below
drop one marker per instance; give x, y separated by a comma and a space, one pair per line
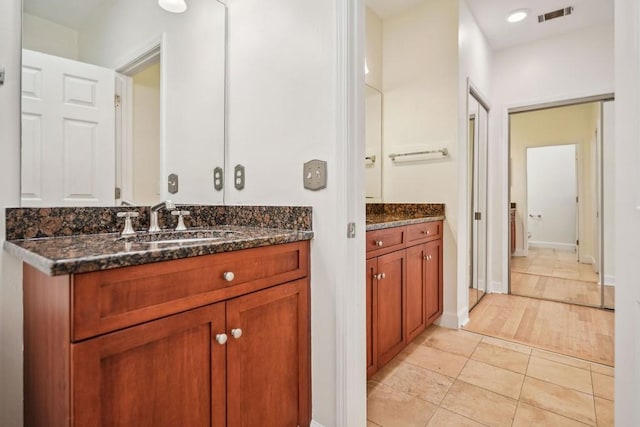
227, 355
404, 288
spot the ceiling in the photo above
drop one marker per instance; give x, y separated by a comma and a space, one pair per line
491, 17
70, 13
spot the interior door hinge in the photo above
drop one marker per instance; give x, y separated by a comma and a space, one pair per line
116, 101
577, 242
117, 192
351, 230
477, 216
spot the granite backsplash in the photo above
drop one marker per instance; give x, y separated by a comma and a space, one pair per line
406, 209
28, 223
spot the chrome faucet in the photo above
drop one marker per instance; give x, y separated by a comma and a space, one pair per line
153, 214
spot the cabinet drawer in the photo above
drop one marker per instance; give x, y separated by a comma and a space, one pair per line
104, 301
387, 240
424, 232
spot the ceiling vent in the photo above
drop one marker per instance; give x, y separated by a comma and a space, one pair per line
555, 14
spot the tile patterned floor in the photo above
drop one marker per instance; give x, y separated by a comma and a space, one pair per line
459, 378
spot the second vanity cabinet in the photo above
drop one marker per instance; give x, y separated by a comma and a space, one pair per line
404, 287
215, 340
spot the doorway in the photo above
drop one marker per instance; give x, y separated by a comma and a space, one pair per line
557, 202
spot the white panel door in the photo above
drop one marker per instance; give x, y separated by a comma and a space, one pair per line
68, 130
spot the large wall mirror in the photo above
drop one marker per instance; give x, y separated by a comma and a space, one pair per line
122, 101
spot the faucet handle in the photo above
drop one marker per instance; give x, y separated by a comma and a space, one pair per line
128, 229
180, 215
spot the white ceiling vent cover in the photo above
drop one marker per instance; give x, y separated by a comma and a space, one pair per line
555, 14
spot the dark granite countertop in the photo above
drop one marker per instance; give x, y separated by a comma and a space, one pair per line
380, 221
91, 252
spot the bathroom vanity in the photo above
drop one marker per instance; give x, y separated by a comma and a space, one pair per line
128, 331
404, 281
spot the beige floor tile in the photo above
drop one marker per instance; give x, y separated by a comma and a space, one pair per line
390, 408
480, 404
527, 416
501, 357
603, 385
604, 412
419, 382
602, 369
560, 374
439, 361
386, 371
454, 341
571, 361
507, 344
561, 400
502, 381
445, 418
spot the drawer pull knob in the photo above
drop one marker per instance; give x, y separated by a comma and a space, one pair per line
379, 243
221, 339
228, 276
236, 333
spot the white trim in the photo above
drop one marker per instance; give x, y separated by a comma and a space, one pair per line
610, 280
351, 376
496, 288
454, 320
314, 423
567, 247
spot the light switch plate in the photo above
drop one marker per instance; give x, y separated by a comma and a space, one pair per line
172, 184
315, 175
238, 177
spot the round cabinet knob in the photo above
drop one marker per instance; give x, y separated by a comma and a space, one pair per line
427, 232
379, 243
228, 276
426, 257
380, 276
236, 333
221, 339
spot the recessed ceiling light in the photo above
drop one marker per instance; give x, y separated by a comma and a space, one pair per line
517, 15
173, 6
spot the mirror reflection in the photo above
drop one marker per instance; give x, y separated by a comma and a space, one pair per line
117, 97
477, 172
373, 144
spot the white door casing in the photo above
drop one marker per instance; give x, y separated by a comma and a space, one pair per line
68, 129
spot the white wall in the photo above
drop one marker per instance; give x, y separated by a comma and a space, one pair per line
10, 269
146, 136
569, 66
475, 63
420, 86
48, 37
283, 111
373, 48
609, 190
551, 196
627, 212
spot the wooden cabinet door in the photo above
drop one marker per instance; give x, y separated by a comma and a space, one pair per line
268, 372
433, 251
169, 372
391, 305
372, 314
416, 291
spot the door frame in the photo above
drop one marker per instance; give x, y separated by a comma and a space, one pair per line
472, 90
147, 54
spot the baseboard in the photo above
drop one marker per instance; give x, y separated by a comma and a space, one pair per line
452, 320
496, 288
519, 252
315, 424
568, 247
609, 280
